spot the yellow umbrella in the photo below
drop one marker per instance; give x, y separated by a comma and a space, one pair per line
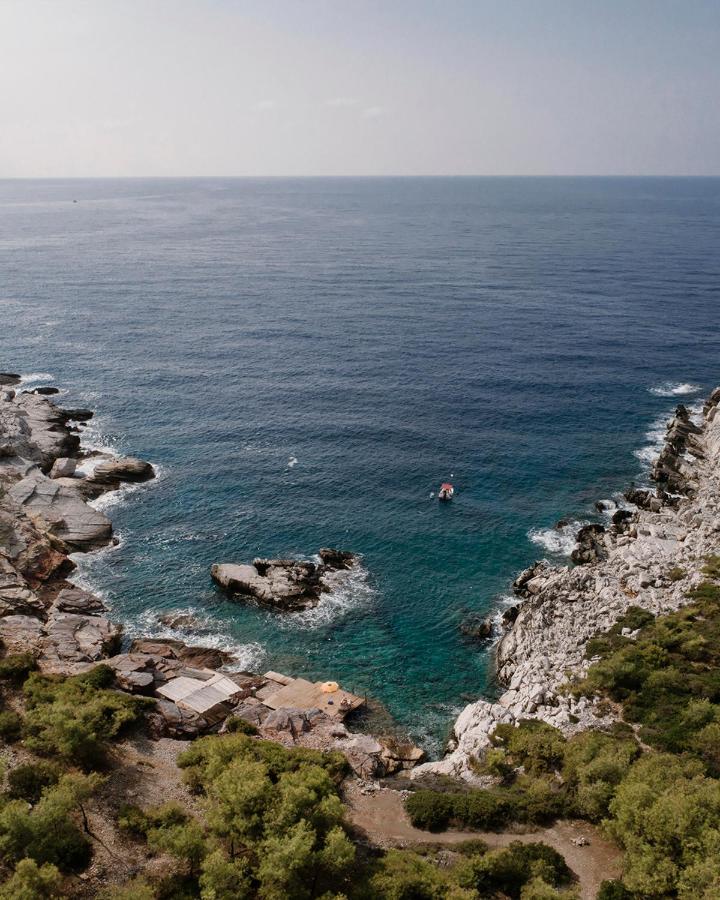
329, 687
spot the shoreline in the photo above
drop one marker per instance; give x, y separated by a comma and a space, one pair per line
50, 486
560, 608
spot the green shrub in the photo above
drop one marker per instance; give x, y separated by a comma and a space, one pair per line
32, 882
403, 875
17, 666
74, 718
508, 870
533, 744
614, 890
47, 832
10, 726
677, 573
28, 781
712, 567
236, 725
430, 810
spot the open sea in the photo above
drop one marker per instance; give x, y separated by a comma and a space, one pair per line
306, 360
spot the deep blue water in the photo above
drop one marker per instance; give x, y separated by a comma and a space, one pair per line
384, 333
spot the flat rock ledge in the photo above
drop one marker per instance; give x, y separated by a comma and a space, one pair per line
287, 585
561, 608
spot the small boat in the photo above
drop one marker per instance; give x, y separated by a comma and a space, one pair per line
446, 491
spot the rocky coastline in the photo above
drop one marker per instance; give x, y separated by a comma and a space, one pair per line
649, 557
47, 481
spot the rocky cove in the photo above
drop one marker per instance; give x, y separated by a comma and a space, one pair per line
649, 557
47, 481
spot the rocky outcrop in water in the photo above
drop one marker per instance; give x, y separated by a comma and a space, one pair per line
562, 607
288, 585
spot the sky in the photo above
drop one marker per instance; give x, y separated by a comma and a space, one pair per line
359, 87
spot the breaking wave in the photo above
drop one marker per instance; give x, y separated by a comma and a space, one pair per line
34, 378
558, 541
674, 389
349, 590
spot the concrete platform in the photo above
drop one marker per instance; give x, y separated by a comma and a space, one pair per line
302, 694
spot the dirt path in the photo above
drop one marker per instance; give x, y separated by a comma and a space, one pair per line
382, 817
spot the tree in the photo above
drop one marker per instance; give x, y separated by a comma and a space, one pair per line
225, 879
186, 841
33, 882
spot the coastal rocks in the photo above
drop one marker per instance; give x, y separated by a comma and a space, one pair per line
73, 640
590, 545
194, 657
128, 468
36, 430
281, 584
563, 608
63, 511
64, 467
76, 600
477, 628
76, 415
9, 379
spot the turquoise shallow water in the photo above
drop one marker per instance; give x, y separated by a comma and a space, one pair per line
306, 360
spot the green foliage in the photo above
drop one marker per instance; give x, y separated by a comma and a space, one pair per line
665, 815
235, 724
225, 879
207, 757
74, 718
403, 875
185, 841
33, 882
10, 726
594, 765
677, 573
535, 745
668, 679
28, 781
17, 666
603, 644
136, 889
712, 567
47, 832
614, 890
510, 869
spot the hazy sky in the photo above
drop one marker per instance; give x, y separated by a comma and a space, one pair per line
367, 87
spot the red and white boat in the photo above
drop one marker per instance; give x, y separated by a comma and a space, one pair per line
446, 491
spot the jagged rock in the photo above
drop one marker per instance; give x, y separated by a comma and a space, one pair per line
9, 378
32, 554
171, 721
77, 415
281, 584
477, 628
64, 512
32, 428
591, 546
520, 585
63, 468
45, 391
337, 559
195, 657
128, 468
181, 620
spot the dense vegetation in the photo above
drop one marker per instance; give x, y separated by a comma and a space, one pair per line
652, 780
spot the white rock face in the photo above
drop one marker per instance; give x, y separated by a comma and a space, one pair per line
566, 607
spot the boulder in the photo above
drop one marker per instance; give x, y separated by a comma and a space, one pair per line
591, 546
45, 391
337, 559
77, 415
72, 638
128, 468
64, 467
477, 628
9, 378
76, 600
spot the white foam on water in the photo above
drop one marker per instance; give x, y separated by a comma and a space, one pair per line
349, 590
292, 462
34, 378
674, 389
558, 541
248, 657
655, 436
